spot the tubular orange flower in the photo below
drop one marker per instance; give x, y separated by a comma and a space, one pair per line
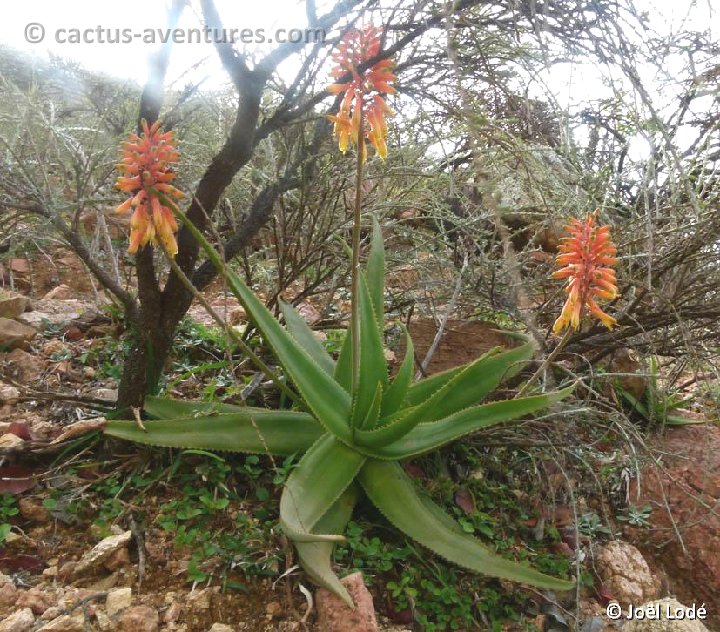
363, 101
145, 167
587, 257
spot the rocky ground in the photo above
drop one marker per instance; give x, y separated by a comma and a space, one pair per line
61, 572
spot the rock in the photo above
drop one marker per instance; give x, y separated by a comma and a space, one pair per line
335, 616
54, 312
65, 623
11, 441
221, 627
104, 584
625, 573
101, 552
173, 613
14, 333
61, 292
139, 619
24, 366
683, 496
463, 341
51, 613
309, 313
54, 346
36, 599
273, 610
201, 599
32, 509
120, 558
8, 594
117, 600
8, 394
104, 623
663, 623
110, 394
19, 621
12, 304
625, 362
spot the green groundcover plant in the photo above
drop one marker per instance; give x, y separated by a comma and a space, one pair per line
352, 422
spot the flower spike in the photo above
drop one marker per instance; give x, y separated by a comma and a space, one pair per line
587, 257
363, 109
145, 166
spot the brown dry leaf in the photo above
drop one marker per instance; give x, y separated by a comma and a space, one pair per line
464, 500
15, 479
80, 428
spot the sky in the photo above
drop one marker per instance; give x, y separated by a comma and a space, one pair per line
58, 22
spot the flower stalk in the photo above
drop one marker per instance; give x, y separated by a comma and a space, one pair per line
355, 272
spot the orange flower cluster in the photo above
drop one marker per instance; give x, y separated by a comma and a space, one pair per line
586, 256
145, 167
364, 93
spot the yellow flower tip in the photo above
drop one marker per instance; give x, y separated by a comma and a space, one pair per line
125, 206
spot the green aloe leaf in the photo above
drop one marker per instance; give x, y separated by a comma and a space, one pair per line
397, 427
343, 366
456, 394
255, 430
395, 495
169, 408
376, 273
323, 395
322, 475
397, 391
480, 377
373, 365
305, 337
316, 557
425, 437
374, 410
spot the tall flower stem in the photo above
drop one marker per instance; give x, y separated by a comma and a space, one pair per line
355, 272
546, 363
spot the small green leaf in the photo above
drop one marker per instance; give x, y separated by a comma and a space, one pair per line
395, 495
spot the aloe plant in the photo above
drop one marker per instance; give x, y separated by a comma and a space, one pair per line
353, 437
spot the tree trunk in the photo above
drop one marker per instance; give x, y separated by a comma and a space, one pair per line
153, 339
